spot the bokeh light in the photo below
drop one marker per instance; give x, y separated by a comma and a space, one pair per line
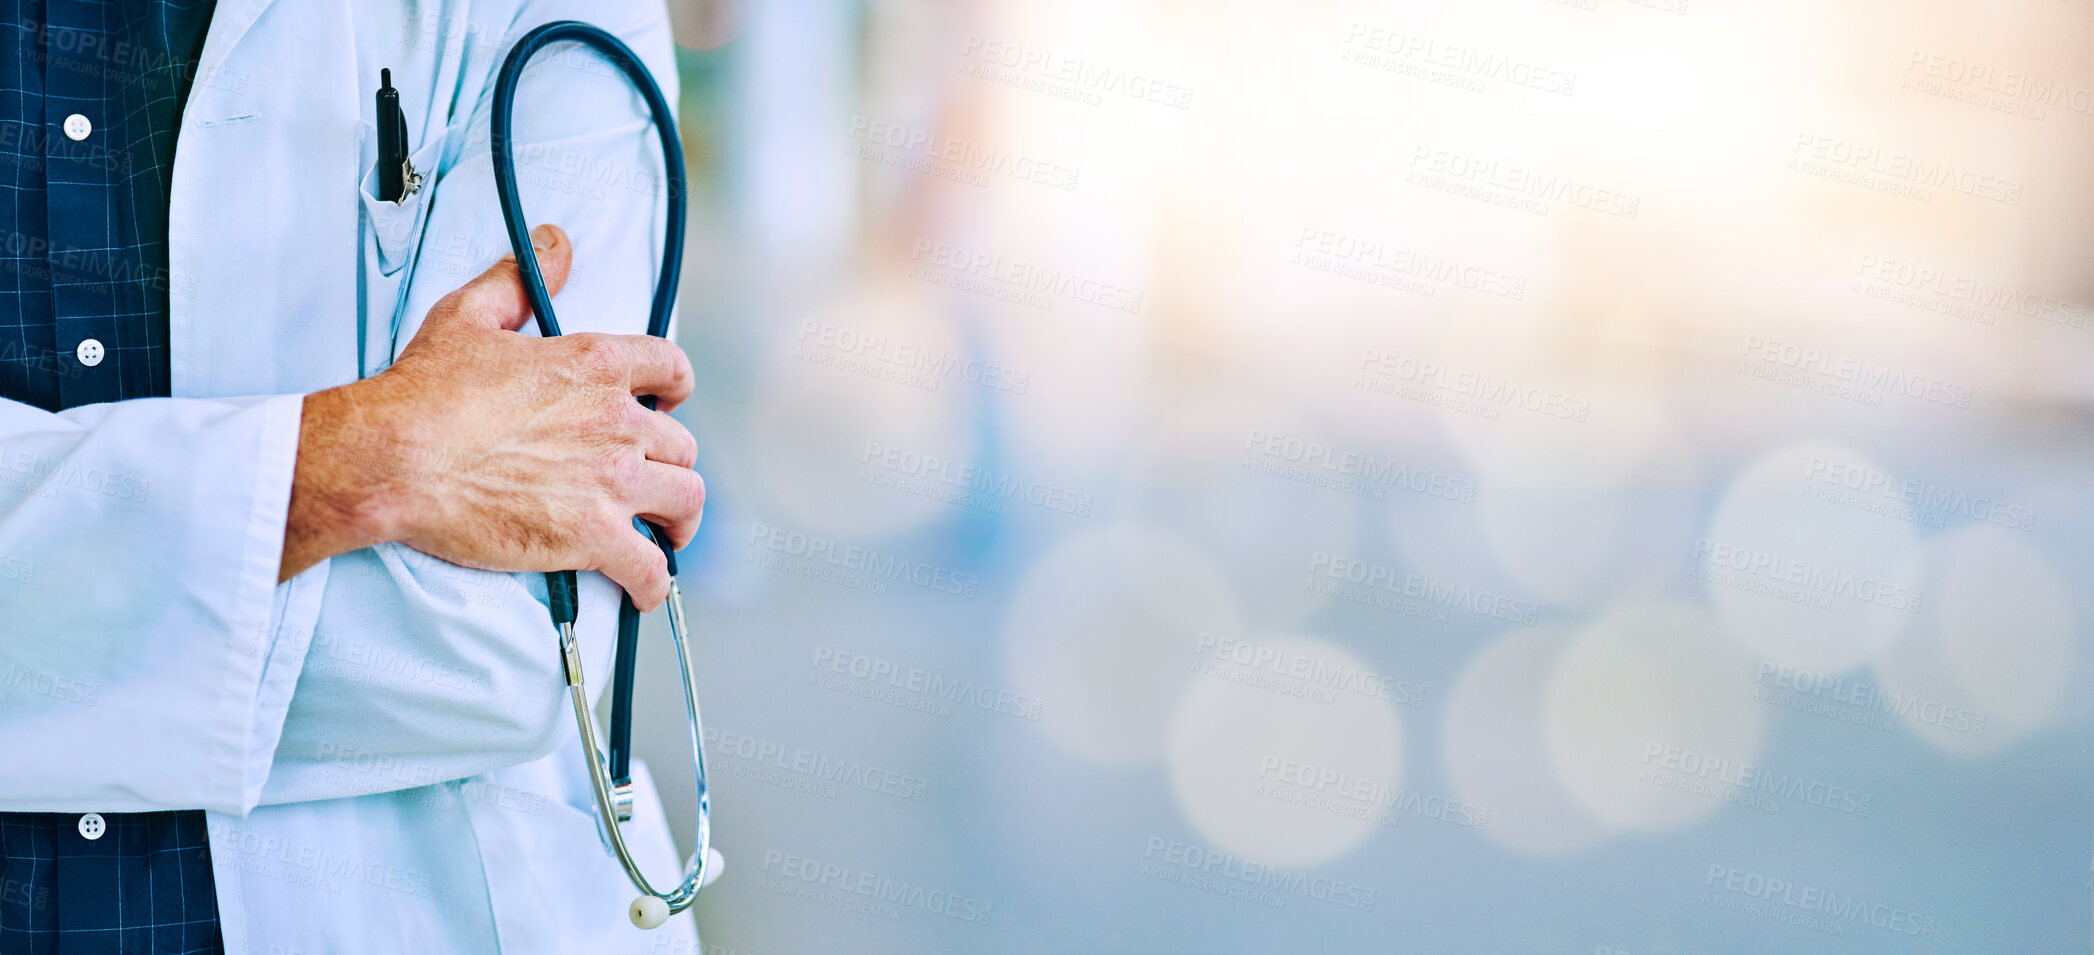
1645, 707
1106, 630
1282, 777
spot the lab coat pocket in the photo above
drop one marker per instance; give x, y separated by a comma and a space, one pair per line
555, 887
396, 227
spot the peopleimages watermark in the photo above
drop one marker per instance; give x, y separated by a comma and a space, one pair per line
903, 363
481, 790
1797, 581
1312, 462
1912, 493
381, 771
1459, 65
1011, 280
42, 361
1519, 188
314, 867
1858, 702
1306, 672
1854, 379
16, 677
1959, 295
34, 256
358, 661
950, 157
865, 892
66, 472
796, 767
968, 485
562, 166
1225, 873
1342, 793
1894, 172
887, 681
26, 894
1983, 84
91, 53
860, 568
17, 570
1073, 78
1730, 778
1808, 906
1390, 372
1428, 592
32, 146
1397, 267
467, 253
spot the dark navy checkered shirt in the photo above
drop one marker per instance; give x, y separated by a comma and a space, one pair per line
91, 95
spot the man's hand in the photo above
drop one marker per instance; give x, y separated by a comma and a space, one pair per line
503, 451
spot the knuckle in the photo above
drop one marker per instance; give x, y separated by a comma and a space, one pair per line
613, 416
621, 473
686, 447
448, 311
500, 279
452, 301
647, 575
502, 267
606, 522
694, 496
685, 527
603, 472
671, 357
684, 502
596, 356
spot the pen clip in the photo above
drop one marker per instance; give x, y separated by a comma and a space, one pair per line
410, 181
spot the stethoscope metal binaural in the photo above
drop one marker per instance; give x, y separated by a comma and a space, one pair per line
611, 773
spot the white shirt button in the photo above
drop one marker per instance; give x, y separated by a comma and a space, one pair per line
77, 127
92, 826
89, 352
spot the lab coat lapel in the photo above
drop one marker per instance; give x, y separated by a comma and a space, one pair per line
262, 221
230, 21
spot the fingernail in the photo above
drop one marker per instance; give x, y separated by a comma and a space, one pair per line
544, 237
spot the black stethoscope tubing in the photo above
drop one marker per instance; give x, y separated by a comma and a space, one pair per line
560, 585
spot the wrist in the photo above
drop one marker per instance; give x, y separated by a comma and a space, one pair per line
349, 488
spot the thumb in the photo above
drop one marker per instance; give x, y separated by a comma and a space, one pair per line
495, 298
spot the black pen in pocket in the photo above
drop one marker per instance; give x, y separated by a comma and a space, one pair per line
396, 176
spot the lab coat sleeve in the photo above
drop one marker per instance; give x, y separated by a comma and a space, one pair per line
139, 547
416, 670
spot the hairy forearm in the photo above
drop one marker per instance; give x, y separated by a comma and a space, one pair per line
341, 490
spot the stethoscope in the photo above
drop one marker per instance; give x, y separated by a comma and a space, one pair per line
611, 774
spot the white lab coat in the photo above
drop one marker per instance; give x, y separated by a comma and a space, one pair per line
383, 743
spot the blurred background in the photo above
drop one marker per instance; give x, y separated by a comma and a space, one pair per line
1585, 476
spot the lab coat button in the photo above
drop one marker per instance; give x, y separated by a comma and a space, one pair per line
92, 826
77, 127
89, 352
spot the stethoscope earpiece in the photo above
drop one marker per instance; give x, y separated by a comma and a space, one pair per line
649, 911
